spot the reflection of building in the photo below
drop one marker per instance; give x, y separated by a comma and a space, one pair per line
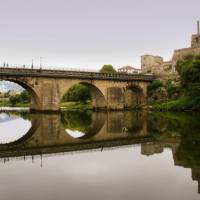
152, 148
166, 69
129, 69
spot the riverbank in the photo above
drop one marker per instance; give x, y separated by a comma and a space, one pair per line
76, 106
178, 105
8, 104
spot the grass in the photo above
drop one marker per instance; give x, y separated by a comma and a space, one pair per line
64, 105
7, 104
181, 104
76, 106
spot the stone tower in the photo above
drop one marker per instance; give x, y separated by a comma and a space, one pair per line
195, 43
151, 64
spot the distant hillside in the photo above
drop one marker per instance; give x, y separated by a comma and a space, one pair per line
7, 85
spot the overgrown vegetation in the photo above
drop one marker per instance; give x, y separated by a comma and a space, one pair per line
183, 95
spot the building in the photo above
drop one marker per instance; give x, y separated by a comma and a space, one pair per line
14, 92
129, 69
166, 69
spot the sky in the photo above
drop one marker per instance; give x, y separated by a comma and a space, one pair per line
86, 34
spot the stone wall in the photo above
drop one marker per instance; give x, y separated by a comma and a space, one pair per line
166, 69
151, 64
195, 41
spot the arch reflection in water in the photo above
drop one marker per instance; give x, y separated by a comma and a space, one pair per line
12, 127
85, 125
71, 131
82, 125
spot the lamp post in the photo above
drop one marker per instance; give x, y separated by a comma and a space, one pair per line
40, 62
32, 64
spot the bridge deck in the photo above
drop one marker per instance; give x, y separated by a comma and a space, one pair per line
24, 72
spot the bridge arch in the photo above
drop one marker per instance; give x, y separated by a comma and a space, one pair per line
134, 97
35, 100
98, 98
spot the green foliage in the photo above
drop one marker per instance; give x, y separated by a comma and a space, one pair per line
25, 96
76, 105
183, 103
22, 98
185, 96
182, 128
108, 69
14, 100
155, 84
77, 92
173, 90
189, 71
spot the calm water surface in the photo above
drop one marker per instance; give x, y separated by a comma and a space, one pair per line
85, 155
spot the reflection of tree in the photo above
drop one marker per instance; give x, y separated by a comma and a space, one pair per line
188, 153
189, 149
80, 121
164, 125
181, 128
25, 115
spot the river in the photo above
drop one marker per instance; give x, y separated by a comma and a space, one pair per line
98, 155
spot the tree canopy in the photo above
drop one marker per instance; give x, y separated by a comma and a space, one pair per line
23, 97
189, 71
107, 69
77, 92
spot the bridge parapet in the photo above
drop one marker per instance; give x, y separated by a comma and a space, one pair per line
73, 74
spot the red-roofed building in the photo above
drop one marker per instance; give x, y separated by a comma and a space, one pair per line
129, 69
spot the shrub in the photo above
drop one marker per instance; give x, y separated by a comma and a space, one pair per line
155, 84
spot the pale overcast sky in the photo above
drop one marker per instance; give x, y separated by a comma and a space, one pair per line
90, 33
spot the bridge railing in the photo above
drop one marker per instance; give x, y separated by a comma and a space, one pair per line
16, 66
71, 72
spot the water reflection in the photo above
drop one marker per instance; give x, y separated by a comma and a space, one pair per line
83, 131
12, 127
82, 125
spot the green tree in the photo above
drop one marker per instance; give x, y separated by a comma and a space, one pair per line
155, 84
14, 100
173, 89
77, 92
189, 71
25, 96
108, 69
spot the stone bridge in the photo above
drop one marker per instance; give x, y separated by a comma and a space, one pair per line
108, 91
